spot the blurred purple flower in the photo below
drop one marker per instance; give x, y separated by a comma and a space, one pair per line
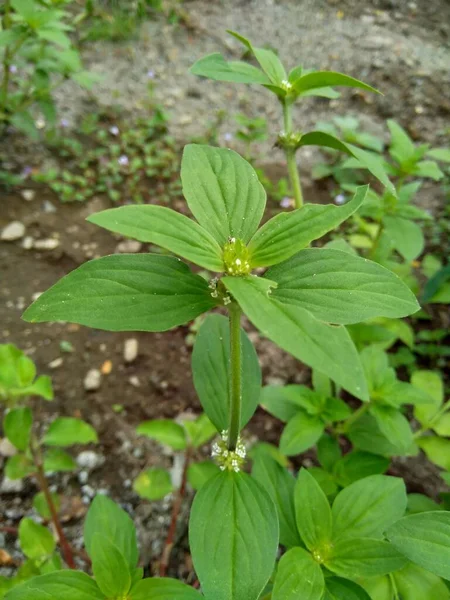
13, 69
339, 199
114, 130
26, 172
286, 202
151, 74
123, 160
228, 136
64, 123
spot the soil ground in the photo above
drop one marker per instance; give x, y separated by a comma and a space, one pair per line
401, 47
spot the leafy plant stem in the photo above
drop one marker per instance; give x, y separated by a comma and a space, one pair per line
6, 63
376, 241
444, 408
234, 311
354, 417
290, 158
169, 543
42, 481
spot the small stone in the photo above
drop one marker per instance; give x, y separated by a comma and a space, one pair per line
135, 381
106, 367
28, 195
48, 207
89, 460
93, 380
88, 491
27, 242
130, 350
185, 120
14, 231
83, 477
47, 244
128, 247
55, 364
36, 295
7, 449
11, 486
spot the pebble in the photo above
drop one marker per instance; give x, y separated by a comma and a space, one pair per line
10, 486
28, 195
27, 243
375, 42
135, 381
89, 460
14, 231
93, 380
83, 477
128, 247
6, 448
47, 244
48, 207
130, 350
55, 364
88, 491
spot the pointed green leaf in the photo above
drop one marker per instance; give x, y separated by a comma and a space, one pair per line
298, 576
153, 484
166, 228
368, 507
393, 425
142, 292
199, 473
402, 148
414, 583
58, 461
328, 452
442, 154
164, 431
233, 533
19, 466
40, 504
337, 287
356, 465
211, 372
17, 427
369, 160
36, 540
366, 435
200, 431
223, 192
343, 589
279, 484
287, 233
283, 401
269, 61
319, 79
324, 347
301, 433
68, 431
363, 557
60, 585
405, 235
424, 539
157, 588
312, 512
214, 66
110, 568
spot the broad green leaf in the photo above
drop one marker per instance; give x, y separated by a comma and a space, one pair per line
60, 585
41, 387
368, 160
211, 372
53, 35
233, 533
319, 79
376, 367
363, 557
343, 589
108, 519
357, 464
405, 235
279, 483
153, 484
323, 347
110, 568
301, 433
17, 427
418, 503
58, 461
328, 452
442, 154
321, 383
288, 232
68, 431
380, 588
214, 66
142, 292
393, 425
337, 287
430, 383
166, 228
402, 148
36, 540
201, 472
312, 512
298, 576
164, 431
428, 168
368, 507
223, 192
268, 60
325, 480
283, 401
414, 583
156, 588
424, 539
40, 504
396, 393
325, 92
200, 431
19, 466
366, 435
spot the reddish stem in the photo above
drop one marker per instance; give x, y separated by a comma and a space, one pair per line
169, 543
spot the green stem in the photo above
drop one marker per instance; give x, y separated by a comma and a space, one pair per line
234, 311
444, 408
294, 175
354, 417
376, 241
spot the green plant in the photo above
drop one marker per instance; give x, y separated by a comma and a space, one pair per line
250, 130
233, 518
37, 453
34, 42
289, 88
